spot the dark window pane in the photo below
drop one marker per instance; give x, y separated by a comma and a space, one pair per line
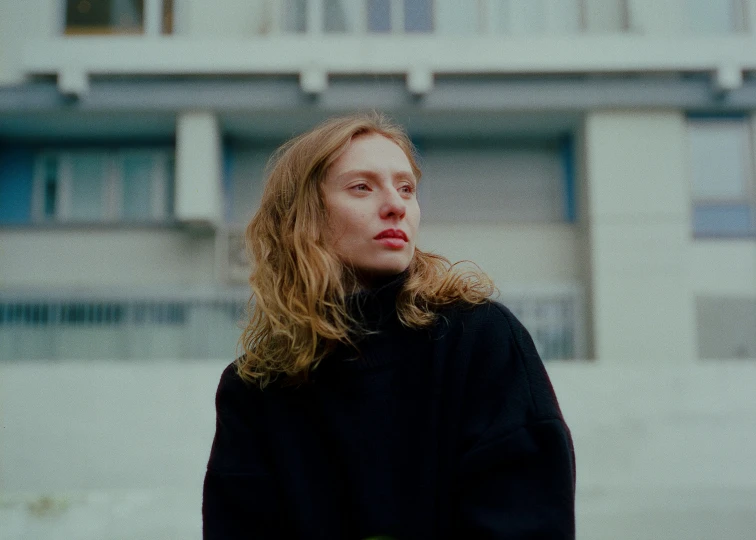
87, 13
50, 187
379, 15
418, 15
170, 186
104, 16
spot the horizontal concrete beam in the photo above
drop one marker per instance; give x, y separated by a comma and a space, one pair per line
441, 93
400, 54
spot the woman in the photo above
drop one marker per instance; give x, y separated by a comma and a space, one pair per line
380, 393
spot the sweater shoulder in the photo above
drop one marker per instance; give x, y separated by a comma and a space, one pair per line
501, 357
490, 316
230, 380
234, 392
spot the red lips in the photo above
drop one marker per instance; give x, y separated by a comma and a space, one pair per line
392, 233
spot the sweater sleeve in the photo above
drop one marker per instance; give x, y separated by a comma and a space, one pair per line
516, 475
239, 495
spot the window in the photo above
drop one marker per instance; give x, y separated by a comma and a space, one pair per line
536, 16
375, 16
509, 16
716, 16
294, 16
721, 158
116, 16
16, 185
244, 178
379, 15
418, 15
87, 186
454, 17
397, 15
340, 16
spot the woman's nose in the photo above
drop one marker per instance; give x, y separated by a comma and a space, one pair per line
393, 205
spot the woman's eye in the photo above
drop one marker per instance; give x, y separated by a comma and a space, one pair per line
407, 189
360, 187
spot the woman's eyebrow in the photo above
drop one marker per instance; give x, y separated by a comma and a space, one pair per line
403, 175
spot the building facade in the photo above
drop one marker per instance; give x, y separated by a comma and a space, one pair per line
595, 157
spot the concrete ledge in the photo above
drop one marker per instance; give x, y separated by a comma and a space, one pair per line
368, 54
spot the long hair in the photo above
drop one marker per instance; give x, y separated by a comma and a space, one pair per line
298, 306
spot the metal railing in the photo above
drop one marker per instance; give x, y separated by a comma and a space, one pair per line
106, 326
555, 319
147, 326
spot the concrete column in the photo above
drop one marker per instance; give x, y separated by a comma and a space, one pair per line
199, 187
662, 19
638, 221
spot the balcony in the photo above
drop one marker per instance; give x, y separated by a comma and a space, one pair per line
157, 324
416, 39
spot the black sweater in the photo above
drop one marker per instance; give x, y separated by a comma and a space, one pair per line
451, 432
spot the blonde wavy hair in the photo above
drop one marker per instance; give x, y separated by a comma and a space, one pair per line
298, 307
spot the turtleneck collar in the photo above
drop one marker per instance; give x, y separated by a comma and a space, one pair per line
375, 307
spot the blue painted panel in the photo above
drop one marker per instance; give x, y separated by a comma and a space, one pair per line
418, 16
228, 171
568, 162
379, 15
723, 220
16, 180
719, 116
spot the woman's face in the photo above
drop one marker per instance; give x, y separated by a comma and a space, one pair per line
373, 216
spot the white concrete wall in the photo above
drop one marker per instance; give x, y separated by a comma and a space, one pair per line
19, 22
639, 225
93, 257
662, 453
723, 267
95, 450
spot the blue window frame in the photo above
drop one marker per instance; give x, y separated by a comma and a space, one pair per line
16, 184
86, 184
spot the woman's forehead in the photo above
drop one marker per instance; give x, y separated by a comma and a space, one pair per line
372, 151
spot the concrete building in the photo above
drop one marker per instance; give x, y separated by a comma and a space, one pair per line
595, 157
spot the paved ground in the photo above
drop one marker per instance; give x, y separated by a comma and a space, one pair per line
131, 515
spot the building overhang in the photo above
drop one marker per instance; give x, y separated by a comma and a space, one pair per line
418, 60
